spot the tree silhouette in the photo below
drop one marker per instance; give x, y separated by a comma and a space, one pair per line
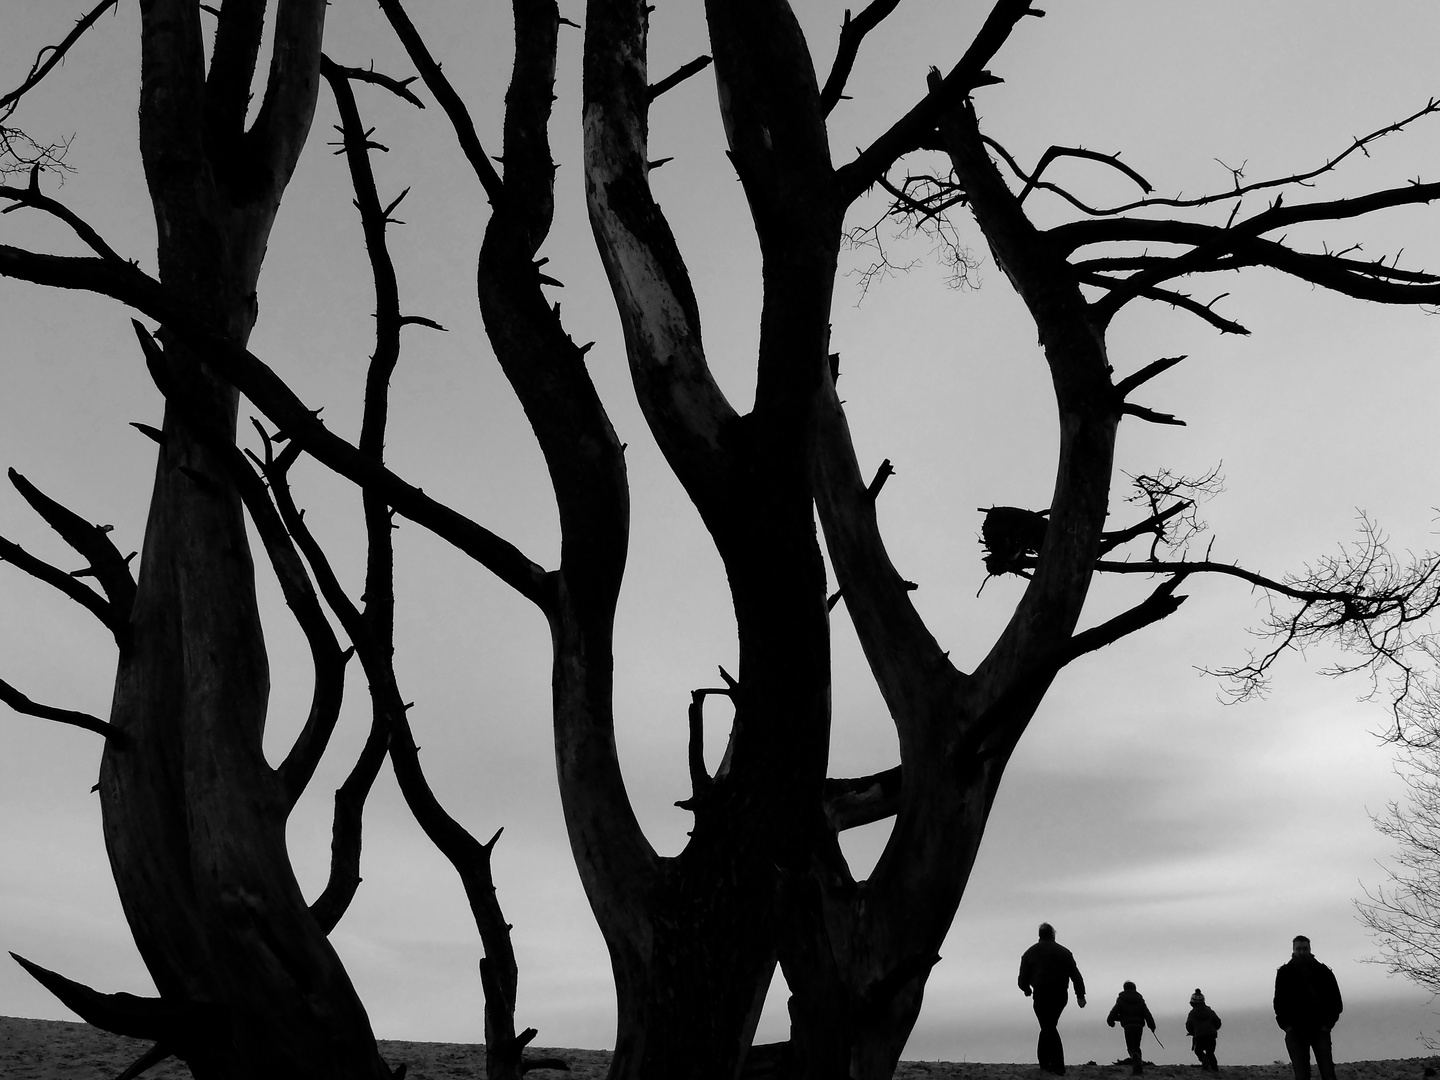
194, 815
694, 938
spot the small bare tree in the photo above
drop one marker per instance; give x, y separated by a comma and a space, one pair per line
1404, 912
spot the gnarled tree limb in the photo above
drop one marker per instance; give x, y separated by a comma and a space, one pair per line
22, 704
852, 33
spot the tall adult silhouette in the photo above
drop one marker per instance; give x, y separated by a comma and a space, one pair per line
1046, 971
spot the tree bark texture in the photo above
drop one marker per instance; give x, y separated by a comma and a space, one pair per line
194, 817
872, 945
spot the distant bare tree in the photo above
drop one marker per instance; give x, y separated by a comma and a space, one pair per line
1404, 912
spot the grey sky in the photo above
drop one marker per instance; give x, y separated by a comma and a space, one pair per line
1172, 840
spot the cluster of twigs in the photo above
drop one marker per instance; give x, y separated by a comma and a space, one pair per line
21, 152
1113, 249
1404, 913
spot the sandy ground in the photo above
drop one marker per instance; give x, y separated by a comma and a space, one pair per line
58, 1050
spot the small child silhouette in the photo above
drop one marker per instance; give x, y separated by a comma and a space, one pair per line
1133, 1015
1202, 1025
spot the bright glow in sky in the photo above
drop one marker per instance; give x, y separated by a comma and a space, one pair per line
1171, 839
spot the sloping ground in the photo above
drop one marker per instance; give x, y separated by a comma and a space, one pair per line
60, 1050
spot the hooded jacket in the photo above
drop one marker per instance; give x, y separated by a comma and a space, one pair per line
1202, 1021
1130, 1010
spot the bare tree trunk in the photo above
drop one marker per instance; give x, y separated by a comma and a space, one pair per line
703, 934
194, 816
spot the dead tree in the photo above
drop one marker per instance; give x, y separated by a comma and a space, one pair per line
254, 988
694, 938
194, 817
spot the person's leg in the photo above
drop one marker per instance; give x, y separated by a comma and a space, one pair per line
1209, 1061
1049, 1049
1042, 1044
1132, 1047
1299, 1048
1324, 1059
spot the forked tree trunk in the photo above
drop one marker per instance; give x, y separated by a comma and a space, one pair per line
694, 950
857, 990
194, 816
691, 937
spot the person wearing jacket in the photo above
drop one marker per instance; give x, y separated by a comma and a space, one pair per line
1202, 1025
1046, 971
1132, 1014
1307, 1005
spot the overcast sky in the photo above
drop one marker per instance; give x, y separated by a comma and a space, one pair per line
1172, 839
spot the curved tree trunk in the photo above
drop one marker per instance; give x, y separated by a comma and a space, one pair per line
695, 951
194, 817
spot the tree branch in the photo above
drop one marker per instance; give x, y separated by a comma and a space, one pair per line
1242, 240
1155, 524
22, 704
281, 406
1239, 190
345, 828
1145, 374
1159, 604
685, 407
283, 120
175, 1022
856, 801
228, 84
399, 87
1080, 373
449, 99
680, 74
107, 566
907, 133
53, 576
146, 1061
327, 658
31, 196
469, 857
1361, 599
50, 57
1053, 154
1105, 307
852, 33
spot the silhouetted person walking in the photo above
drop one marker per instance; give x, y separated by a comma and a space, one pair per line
1203, 1027
1132, 1014
1307, 1004
1046, 971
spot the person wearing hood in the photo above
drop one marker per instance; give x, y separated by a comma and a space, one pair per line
1307, 1005
1133, 1015
1202, 1025
1046, 970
